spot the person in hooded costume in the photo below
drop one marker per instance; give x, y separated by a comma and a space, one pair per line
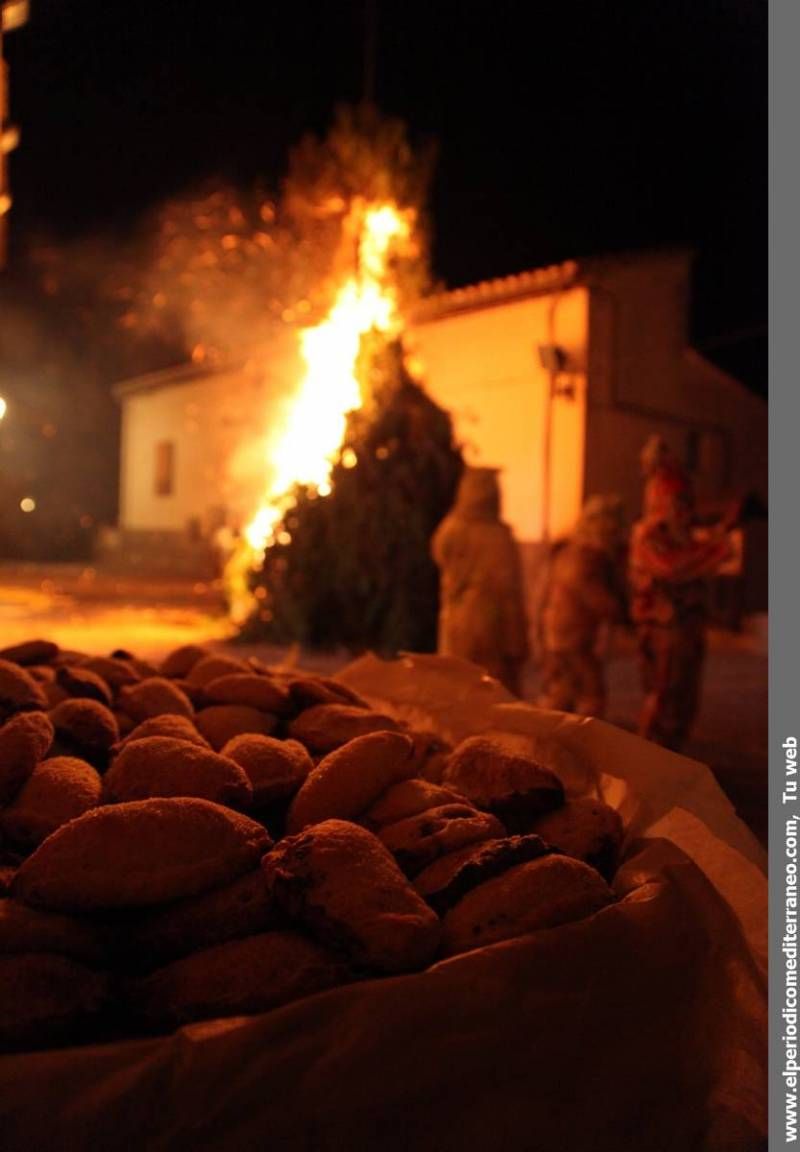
655, 454
582, 594
482, 615
669, 572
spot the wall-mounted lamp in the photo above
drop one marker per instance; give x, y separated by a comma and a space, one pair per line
552, 357
554, 360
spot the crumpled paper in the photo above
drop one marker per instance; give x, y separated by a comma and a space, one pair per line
639, 1029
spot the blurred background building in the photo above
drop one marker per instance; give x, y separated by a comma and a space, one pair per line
556, 376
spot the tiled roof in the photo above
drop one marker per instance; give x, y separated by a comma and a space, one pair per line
537, 282
485, 294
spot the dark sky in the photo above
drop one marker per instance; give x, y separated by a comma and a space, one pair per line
565, 127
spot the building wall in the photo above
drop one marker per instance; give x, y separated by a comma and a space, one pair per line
206, 420
646, 380
637, 335
483, 366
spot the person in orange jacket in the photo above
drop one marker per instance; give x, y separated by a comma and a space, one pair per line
669, 572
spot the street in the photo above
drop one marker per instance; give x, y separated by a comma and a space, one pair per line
87, 610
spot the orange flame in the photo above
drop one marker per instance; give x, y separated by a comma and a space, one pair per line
303, 447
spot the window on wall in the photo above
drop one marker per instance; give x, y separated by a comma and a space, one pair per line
165, 468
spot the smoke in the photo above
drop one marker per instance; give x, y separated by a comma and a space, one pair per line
219, 275
58, 403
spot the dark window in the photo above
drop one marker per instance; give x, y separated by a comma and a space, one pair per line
165, 468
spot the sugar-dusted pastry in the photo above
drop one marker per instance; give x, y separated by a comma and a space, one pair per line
543, 893
328, 726
254, 974
164, 766
339, 881
153, 697
160, 935
59, 789
25, 739
513, 786
587, 829
350, 779
221, 722
418, 840
47, 999
138, 854
276, 768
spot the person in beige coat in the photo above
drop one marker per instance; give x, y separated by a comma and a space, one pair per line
482, 615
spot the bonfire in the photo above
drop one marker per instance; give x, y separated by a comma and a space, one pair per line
301, 448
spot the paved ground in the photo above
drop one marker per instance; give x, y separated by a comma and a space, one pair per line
89, 610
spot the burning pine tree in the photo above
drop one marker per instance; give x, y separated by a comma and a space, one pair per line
353, 567
363, 466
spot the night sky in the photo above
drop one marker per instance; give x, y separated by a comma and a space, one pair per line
565, 127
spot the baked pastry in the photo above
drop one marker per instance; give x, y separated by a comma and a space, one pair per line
443, 883
254, 974
328, 726
164, 766
47, 999
543, 893
161, 935
407, 799
276, 769
139, 854
221, 722
85, 728
58, 790
30, 652
24, 929
339, 881
178, 727
19, 691
179, 663
145, 669
516, 788
419, 840
209, 668
349, 780
116, 673
587, 829
306, 691
154, 697
247, 688
25, 739
82, 683
54, 692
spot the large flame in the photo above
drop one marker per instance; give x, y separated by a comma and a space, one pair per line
305, 442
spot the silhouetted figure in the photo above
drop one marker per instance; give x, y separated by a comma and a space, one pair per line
669, 572
582, 595
482, 616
